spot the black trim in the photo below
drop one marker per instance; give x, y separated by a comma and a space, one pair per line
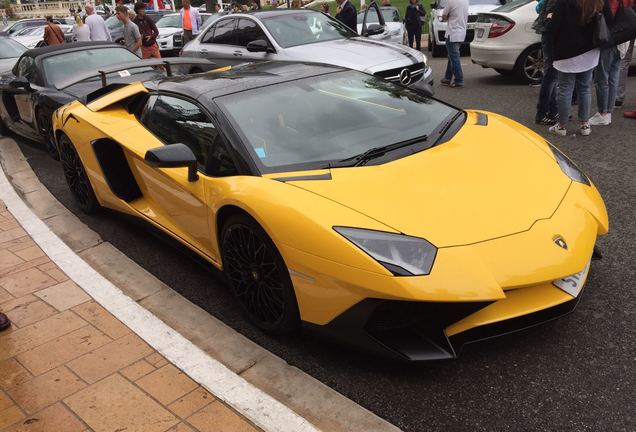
482, 119
326, 176
114, 165
512, 325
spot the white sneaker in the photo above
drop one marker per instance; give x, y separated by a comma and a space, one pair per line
599, 119
558, 130
585, 129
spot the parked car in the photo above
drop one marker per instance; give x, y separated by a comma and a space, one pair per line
33, 37
116, 28
394, 28
336, 201
437, 27
309, 36
28, 22
10, 51
170, 38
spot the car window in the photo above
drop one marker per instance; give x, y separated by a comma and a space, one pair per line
223, 32
248, 31
389, 15
27, 69
173, 120
170, 21
302, 28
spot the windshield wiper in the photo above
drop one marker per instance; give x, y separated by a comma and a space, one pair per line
447, 126
375, 153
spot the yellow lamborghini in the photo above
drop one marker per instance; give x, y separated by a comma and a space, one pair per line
338, 201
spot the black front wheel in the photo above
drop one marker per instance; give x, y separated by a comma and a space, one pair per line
76, 176
258, 276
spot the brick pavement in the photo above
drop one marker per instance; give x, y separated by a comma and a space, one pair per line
66, 364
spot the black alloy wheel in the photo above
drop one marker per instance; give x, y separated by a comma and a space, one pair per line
258, 276
529, 66
44, 129
76, 176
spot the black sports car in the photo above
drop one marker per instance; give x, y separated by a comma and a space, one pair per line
44, 79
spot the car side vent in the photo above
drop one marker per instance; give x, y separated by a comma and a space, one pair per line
103, 91
114, 165
482, 119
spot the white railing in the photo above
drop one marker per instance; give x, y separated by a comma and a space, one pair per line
37, 10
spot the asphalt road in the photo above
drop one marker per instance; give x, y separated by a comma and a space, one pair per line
573, 374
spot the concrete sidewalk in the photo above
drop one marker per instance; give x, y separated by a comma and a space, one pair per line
66, 364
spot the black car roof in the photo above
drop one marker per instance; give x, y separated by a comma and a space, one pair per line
214, 84
36, 52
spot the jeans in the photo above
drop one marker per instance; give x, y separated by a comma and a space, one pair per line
547, 105
583, 81
622, 75
606, 79
414, 32
454, 66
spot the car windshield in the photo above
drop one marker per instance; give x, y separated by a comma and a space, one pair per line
315, 122
113, 23
513, 5
170, 21
56, 68
302, 28
389, 15
10, 48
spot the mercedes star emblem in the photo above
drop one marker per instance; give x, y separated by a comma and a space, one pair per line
405, 76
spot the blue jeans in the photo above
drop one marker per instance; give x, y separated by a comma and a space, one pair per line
606, 79
547, 105
583, 81
454, 66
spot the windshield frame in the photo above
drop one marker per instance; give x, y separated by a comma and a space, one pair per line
436, 136
351, 34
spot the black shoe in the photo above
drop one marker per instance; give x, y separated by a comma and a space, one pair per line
4, 321
545, 120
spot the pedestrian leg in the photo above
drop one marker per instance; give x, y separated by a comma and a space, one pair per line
622, 77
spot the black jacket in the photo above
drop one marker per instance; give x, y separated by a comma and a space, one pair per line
414, 14
570, 38
348, 16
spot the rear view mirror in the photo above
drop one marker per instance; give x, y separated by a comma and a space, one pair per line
258, 45
173, 156
374, 29
20, 82
433, 5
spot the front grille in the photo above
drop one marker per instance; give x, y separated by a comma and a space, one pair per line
393, 75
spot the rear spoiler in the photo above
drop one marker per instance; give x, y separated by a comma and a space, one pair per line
138, 64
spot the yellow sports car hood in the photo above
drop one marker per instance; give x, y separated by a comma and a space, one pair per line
486, 182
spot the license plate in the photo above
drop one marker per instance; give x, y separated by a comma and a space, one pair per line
574, 283
480, 33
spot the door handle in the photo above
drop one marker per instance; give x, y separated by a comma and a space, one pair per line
238, 54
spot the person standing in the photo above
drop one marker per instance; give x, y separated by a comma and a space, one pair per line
346, 13
191, 21
81, 32
149, 33
572, 23
53, 33
96, 25
622, 74
547, 109
606, 75
324, 8
456, 14
413, 22
132, 37
5, 19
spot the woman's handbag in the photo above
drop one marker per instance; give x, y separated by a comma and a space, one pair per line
602, 35
623, 28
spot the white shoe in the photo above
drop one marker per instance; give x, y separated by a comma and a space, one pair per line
599, 119
558, 130
585, 129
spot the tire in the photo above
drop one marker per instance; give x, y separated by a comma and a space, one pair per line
46, 135
505, 72
529, 66
76, 177
258, 276
437, 50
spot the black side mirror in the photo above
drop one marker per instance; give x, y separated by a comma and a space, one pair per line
173, 156
374, 29
433, 5
259, 45
20, 82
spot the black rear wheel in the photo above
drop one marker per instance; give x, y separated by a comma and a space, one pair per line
76, 176
258, 276
529, 67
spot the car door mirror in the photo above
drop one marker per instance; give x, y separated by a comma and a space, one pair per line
20, 82
173, 156
259, 45
374, 29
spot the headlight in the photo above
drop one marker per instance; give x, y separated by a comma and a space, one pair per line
568, 167
402, 255
425, 60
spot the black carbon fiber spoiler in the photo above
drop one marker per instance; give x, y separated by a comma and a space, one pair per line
167, 63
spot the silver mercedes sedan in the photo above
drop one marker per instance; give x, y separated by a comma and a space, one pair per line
308, 36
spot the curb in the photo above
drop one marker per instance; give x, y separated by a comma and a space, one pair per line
282, 391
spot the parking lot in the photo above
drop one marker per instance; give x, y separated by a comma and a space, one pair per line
573, 374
